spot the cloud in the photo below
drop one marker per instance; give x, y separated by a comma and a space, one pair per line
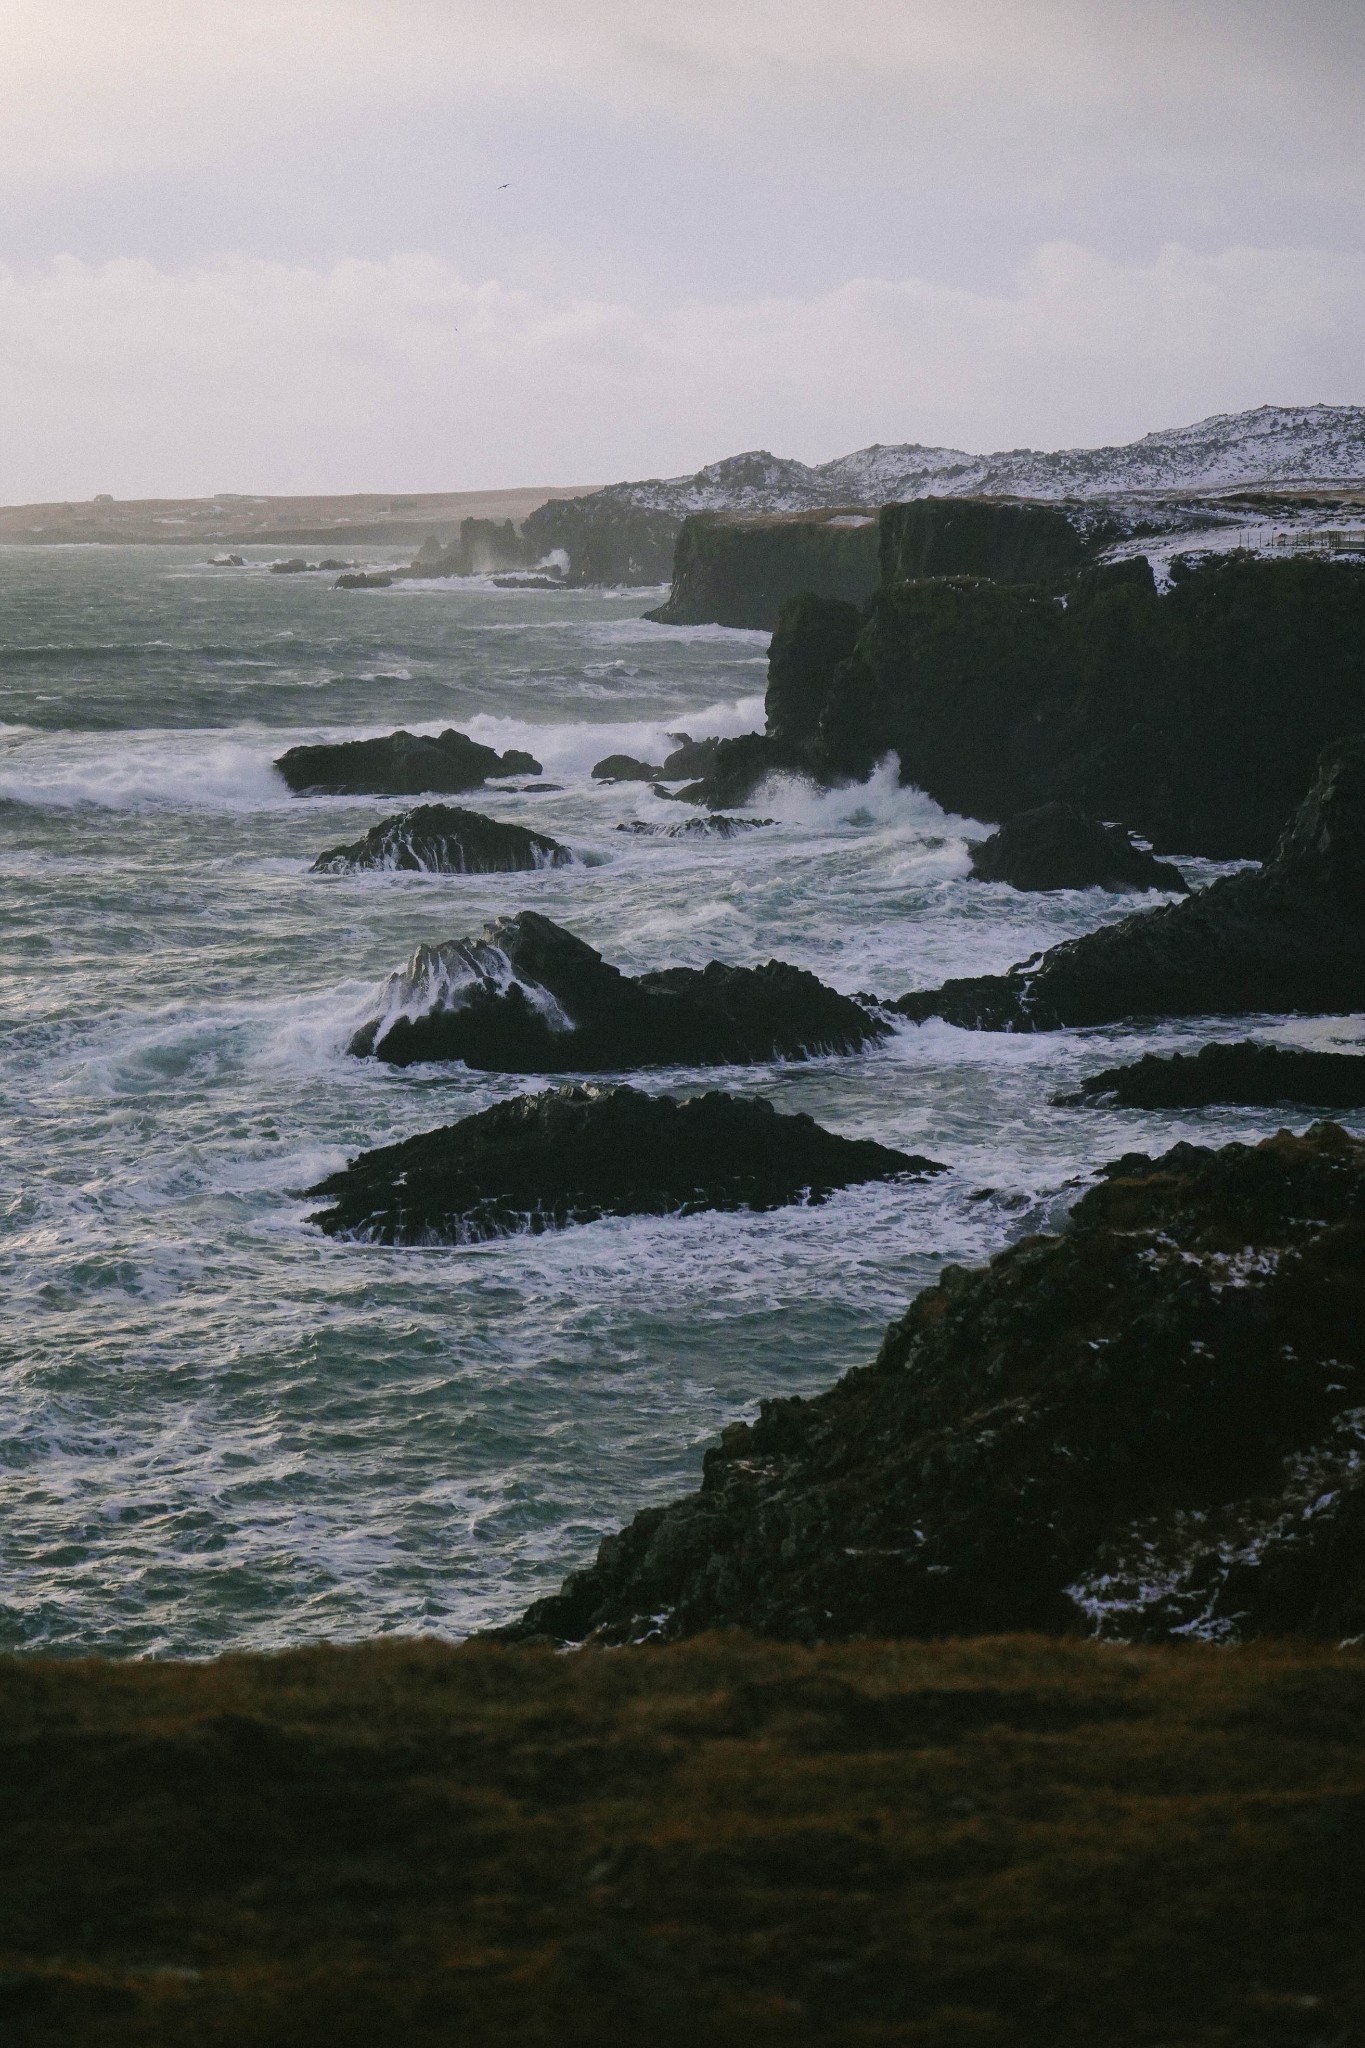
245, 374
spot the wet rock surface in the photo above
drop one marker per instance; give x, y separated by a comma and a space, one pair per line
443, 839
1289, 938
526, 996
1057, 847
1193, 715
399, 764
1150, 1425
1247, 1073
570, 1155
715, 826
625, 768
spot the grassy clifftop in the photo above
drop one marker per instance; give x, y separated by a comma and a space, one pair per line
725, 1841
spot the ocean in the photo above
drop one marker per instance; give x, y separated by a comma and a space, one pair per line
218, 1429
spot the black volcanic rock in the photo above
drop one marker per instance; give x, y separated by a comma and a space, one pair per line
1194, 716
541, 1162
527, 997
1289, 937
1056, 847
1148, 1425
364, 579
715, 826
625, 768
1259, 1076
442, 839
689, 758
400, 764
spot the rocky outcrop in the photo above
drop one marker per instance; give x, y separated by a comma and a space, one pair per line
481, 546
400, 764
442, 839
1287, 938
1193, 717
625, 768
1019, 543
541, 1162
365, 579
1258, 1076
1056, 847
716, 826
1148, 1426
739, 572
527, 997
604, 539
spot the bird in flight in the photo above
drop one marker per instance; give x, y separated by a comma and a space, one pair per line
503, 188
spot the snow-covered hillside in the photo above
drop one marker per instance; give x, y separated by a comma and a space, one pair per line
1275, 444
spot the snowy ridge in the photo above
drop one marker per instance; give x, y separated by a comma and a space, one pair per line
1272, 445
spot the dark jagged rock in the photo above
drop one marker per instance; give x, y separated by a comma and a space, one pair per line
295, 566
624, 768
527, 997
1055, 847
733, 571
1194, 717
1146, 1426
482, 545
365, 579
541, 1162
605, 539
1287, 938
400, 764
739, 768
688, 759
1259, 1076
717, 826
441, 839
810, 639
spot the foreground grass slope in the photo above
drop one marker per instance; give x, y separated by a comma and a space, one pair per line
1009, 1840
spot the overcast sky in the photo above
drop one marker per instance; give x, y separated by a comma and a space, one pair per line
318, 245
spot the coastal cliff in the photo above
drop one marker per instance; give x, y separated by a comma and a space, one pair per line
740, 572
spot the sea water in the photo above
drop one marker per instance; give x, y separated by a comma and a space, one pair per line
219, 1429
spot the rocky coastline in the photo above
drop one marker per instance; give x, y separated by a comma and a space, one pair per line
1287, 938
399, 764
443, 839
1149, 1426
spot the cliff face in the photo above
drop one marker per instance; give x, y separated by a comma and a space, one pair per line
606, 539
1194, 718
981, 537
740, 572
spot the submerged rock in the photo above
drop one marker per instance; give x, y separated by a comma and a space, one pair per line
625, 768
1258, 1076
527, 997
541, 1162
1150, 1425
1057, 847
716, 826
442, 839
1289, 937
399, 764
363, 579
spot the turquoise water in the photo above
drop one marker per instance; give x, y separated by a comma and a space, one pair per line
221, 1430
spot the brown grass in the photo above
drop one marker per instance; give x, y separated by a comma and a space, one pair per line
728, 1841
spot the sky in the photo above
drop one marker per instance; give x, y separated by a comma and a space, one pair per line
333, 245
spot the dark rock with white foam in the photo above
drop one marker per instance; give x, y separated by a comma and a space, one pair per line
525, 996
443, 839
1148, 1426
399, 764
716, 826
1289, 937
1058, 847
573, 1154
